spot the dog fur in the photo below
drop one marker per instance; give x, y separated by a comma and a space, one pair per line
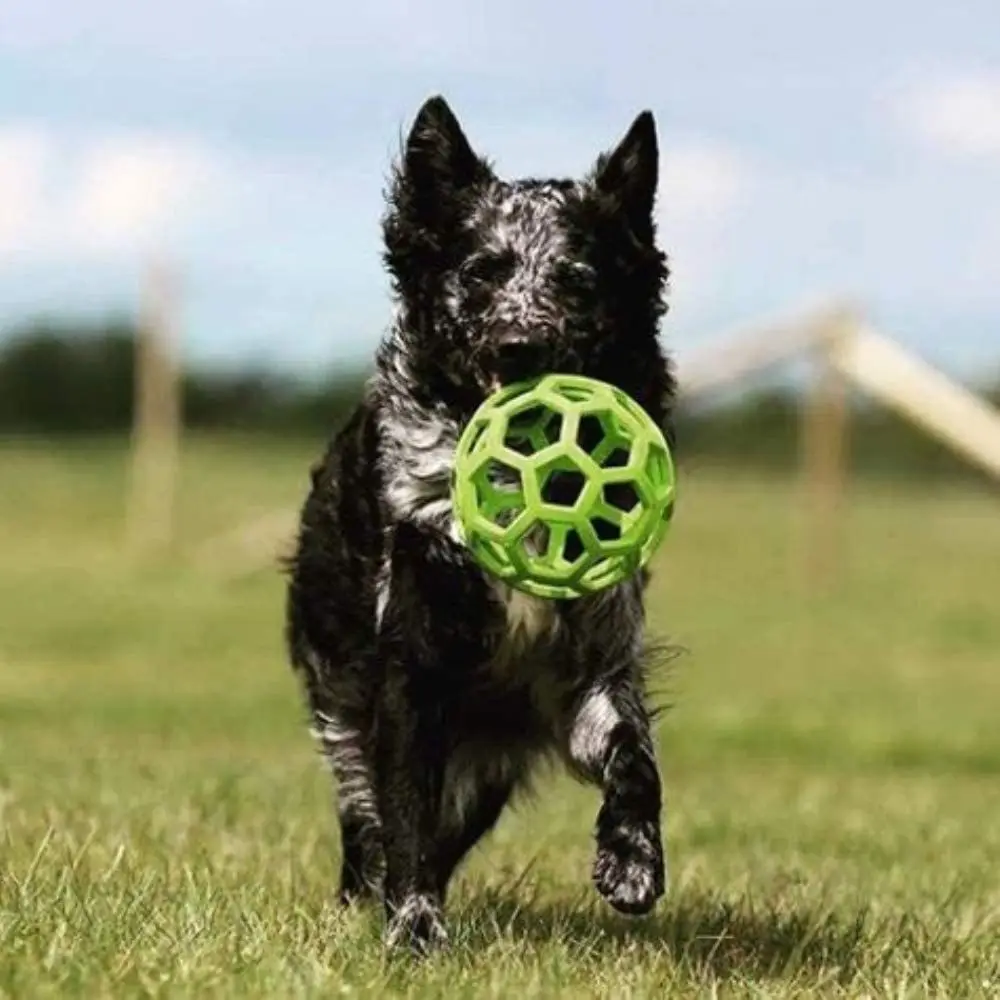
433, 689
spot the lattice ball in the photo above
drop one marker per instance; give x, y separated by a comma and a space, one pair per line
562, 486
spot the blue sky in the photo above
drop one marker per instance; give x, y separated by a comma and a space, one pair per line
809, 148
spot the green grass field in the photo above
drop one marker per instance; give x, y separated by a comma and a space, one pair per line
831, 765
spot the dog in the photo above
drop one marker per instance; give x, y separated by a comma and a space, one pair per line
433, 689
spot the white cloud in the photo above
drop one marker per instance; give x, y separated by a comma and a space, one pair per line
130, 189
701, 183
959, 116
702, 186
114, 195
23, 155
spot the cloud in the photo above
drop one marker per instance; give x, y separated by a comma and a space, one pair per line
703, 186
130, 189
959, 116
701, 183
24, 152
100, 195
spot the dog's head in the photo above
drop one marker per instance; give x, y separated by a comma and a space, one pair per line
503, 280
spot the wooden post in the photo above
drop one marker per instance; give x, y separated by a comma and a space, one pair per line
824, 457
156, 420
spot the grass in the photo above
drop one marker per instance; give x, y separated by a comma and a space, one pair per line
831, 764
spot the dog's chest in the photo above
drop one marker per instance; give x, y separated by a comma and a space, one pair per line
419, 456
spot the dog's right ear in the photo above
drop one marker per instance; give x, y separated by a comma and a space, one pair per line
438, 158
628, 174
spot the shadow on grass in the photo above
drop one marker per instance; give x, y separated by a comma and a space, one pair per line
704, 934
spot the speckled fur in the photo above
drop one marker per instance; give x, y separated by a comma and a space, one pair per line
435, 691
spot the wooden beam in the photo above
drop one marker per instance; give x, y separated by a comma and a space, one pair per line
924, 395
824, 461
732, 358
156, 428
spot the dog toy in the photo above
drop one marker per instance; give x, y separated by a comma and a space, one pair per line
562, 486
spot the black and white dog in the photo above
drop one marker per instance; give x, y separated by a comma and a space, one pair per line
433, 688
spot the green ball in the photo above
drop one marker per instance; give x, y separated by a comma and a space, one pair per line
562, 486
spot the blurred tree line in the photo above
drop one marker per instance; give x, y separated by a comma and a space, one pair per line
62, 379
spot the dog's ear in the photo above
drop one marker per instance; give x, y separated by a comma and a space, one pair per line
628, 174
438, 158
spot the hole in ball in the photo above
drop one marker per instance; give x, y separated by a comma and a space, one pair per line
521, 443
506, 516
525, 419
536, 541
533, 429
622, 496
606, 531
552, 428
476, 437
590, 433
563, 487
575, 393
520, 430
573, 546
656, 466
617, 458
501, 476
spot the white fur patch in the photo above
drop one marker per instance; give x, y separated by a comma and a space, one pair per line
465, 778
528, 618
417, 463
527, 223
418, 472
588, 741
383, 587
416, 924
341, 747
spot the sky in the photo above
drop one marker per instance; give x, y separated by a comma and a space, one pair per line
810, 150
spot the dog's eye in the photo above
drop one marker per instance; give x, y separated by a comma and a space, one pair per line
575, 274
489, 268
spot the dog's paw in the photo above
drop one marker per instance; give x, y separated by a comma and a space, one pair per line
416, 925
629, 870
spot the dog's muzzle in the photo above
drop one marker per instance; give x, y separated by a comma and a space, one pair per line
514, 355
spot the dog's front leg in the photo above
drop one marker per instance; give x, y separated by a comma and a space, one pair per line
610, 743
428, 619
409, 772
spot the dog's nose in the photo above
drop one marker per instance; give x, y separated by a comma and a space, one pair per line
517, 355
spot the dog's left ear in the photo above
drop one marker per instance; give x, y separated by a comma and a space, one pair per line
438, 158
628, 174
